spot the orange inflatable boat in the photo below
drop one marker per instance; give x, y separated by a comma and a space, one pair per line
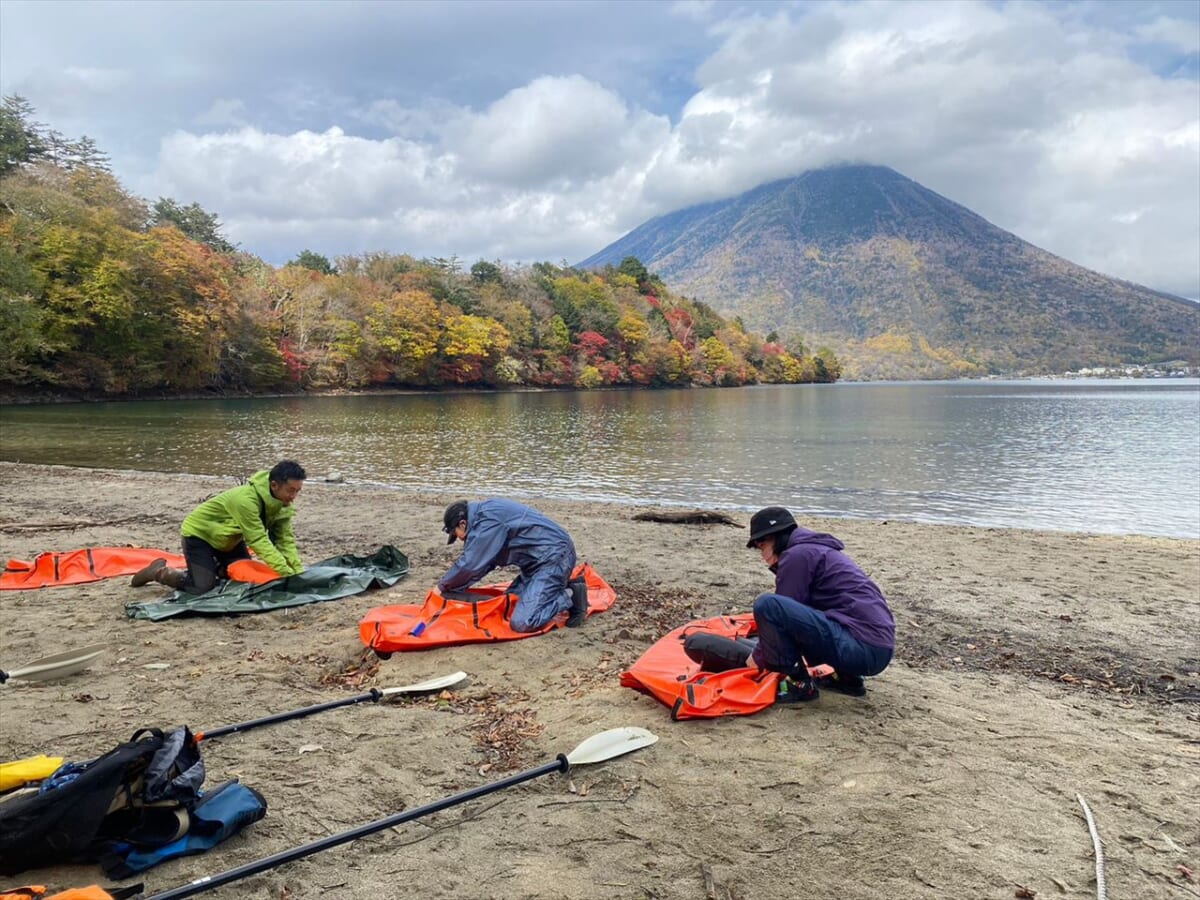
80, 566
481, 615
669, 675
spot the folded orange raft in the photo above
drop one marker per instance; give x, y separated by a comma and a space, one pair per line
80, 566
669, 675
482, 616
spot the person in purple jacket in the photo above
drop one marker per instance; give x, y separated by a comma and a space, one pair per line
501, 532
825, 610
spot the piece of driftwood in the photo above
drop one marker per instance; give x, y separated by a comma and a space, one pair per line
79, 523
687, 517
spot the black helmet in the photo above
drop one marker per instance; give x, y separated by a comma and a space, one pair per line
771, 520
456, 512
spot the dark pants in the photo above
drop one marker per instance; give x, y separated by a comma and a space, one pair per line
205, 564
542, 593
788, 630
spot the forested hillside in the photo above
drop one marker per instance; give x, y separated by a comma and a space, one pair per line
903, 282
103, 294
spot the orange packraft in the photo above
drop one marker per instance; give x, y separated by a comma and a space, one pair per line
442, 622
97, 563
669, 675
92, 892
80, 566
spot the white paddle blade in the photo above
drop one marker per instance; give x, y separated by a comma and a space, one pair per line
60, 665
607, 744
432, 684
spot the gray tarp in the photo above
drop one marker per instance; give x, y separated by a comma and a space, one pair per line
331, 579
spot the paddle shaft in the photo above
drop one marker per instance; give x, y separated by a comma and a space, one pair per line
212, 881
374, 695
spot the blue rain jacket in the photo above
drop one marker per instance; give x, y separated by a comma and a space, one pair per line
507, 533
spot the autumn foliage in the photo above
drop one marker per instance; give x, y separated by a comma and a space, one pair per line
103, 295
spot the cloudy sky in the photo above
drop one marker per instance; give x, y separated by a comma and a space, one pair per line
534, 130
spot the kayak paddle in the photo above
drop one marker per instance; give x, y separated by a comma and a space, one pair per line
374, 696
60, 665
597, 748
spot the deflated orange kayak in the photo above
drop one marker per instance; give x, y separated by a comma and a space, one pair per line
93, 892
669, 675
666, 673
482, 616
80, 566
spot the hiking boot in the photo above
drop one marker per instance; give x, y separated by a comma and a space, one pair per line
148, 574
844, 684
173, 578
579, 603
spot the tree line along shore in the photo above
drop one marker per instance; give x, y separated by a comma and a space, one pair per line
109, 296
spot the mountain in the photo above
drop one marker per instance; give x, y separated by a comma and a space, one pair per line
902, 282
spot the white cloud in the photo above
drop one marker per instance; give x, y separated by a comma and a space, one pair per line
555, 132
460, 129
305, 175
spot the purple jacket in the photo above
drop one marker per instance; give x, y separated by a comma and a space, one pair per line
814, 571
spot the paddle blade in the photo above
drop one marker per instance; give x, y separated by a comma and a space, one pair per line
60, 665
422, 687
611, 743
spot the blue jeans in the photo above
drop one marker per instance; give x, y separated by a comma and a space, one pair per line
788, 630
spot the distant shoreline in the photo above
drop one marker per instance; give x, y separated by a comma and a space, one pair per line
52, 400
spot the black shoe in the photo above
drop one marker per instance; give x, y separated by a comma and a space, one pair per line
579, 603
792, 690
844, 684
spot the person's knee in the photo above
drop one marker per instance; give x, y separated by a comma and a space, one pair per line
877, 659
522, 623
200, 581
768, 608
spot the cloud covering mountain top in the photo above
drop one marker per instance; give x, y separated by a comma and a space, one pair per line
524, 131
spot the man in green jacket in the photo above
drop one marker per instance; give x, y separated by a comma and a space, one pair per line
254, 516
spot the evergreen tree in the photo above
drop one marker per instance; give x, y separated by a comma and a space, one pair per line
194, 221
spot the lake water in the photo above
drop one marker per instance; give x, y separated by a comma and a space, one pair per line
1086, 455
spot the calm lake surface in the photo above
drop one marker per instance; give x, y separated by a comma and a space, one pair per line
1088, 455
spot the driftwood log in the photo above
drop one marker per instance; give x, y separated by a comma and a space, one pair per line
687, 517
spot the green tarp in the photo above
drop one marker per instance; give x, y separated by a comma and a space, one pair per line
331, 579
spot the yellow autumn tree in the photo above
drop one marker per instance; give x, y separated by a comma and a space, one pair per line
404, 330
470, 347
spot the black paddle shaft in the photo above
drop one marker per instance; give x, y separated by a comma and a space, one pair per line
561, 764
374, 695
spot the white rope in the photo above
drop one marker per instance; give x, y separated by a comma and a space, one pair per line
1101, 892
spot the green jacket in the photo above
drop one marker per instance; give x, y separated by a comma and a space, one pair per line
248, 513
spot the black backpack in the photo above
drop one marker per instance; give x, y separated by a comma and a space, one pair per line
138, 793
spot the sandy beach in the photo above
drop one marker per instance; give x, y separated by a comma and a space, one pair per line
1032, 668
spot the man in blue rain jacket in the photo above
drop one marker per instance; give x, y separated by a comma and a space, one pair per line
499, 533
